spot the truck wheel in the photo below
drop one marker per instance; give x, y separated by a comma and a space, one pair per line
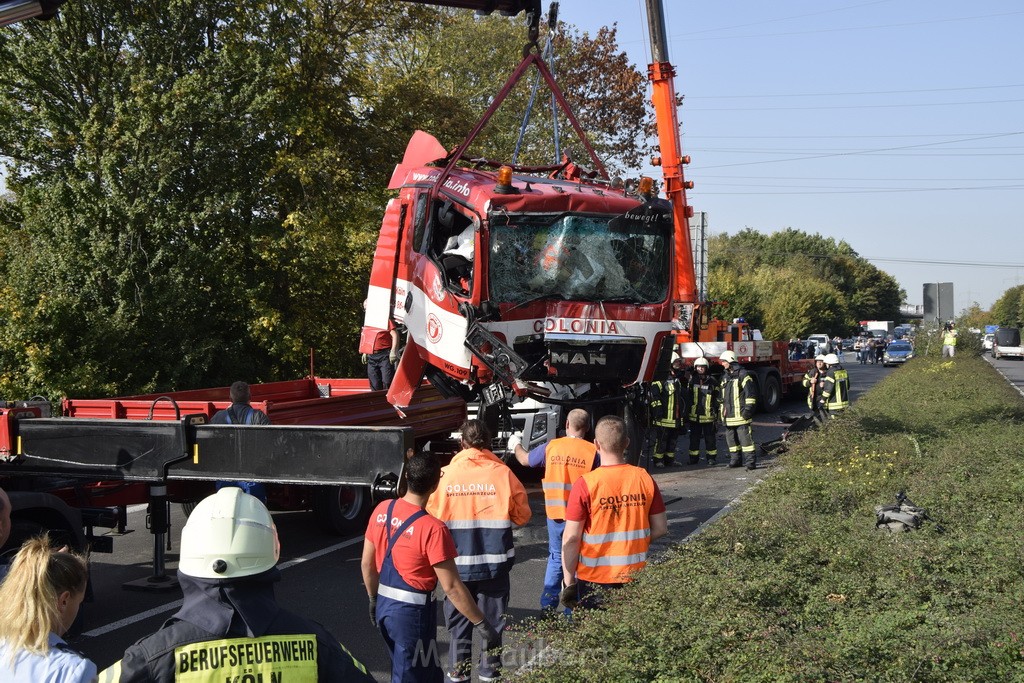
771, 393
637, 434
25, 529
342, 509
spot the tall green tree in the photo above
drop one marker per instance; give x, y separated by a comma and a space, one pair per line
974, 316
174, 167
446, 68
1008, 310
792, 283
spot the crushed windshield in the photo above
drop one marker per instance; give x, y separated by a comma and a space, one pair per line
579, 257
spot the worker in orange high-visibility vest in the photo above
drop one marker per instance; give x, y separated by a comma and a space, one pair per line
611, 518
480, 500
564, 460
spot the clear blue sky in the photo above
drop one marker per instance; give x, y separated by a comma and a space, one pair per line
896, 125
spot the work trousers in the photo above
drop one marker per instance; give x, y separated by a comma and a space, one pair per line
410, 633
740, 440
709, 432
948, 351
491, 597
665, 447
553, 572
379, 369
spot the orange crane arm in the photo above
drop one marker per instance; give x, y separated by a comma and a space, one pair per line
662, 76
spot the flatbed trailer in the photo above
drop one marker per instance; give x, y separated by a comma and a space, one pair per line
333, 446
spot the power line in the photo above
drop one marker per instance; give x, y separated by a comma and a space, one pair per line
701, 178
882, 259
866, 151
854, 106
847, 28
795, 16
695, 194
826, 137
850, 94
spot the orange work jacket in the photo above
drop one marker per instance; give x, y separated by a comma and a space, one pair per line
565, 460
479, 499
617, 533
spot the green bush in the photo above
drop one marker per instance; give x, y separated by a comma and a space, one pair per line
797, 584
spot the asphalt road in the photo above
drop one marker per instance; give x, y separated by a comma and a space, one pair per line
321, 577
1010, 368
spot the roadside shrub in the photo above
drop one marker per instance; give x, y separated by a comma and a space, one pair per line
796, 584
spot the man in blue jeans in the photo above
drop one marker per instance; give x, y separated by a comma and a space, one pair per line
564, 461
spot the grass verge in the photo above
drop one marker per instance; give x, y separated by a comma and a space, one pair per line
798, 585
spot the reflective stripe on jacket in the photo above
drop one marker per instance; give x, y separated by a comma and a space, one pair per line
617, 534
739, 393
667, 404
814, 381
837, 389
565, 460
480, 500
703, 398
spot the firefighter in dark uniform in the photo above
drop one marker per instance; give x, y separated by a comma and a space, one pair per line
836, 389
668, 413
814, 380
230, 627
702, 396
739, 399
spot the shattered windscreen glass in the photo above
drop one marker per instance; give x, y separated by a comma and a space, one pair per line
578, 258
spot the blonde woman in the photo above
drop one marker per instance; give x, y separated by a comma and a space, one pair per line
39, 600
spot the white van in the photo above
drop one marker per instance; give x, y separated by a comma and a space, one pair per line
823, 342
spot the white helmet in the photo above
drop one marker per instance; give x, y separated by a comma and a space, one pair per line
728, 357
832, 359
821, 357
701, 362
229, 535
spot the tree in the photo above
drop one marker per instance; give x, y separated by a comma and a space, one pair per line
974, 317
794, 304
1008, 310
176, 171
196, 185
770, 274
443, 73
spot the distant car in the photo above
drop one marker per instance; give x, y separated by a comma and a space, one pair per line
822, 341
897, 352
986, 343
850, 344
1007, 343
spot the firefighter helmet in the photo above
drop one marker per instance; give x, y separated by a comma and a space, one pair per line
728, 357
701, 362
229, 535
822, 357
832, 359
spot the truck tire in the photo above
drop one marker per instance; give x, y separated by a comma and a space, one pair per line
770, 392
342, 509
637, 433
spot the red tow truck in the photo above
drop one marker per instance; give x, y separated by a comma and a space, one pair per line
772, 363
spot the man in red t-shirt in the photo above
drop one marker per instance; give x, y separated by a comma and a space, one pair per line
405, 554
613, 514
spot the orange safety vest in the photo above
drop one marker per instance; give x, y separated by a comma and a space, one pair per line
479, 499
565, 460
617, 534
